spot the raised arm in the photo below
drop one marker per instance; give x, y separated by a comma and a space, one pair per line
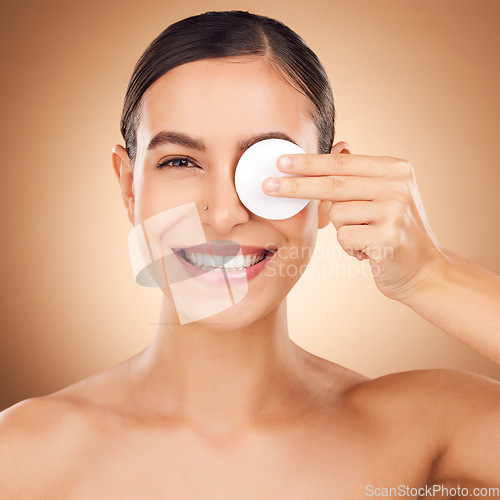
375, 205
462, 299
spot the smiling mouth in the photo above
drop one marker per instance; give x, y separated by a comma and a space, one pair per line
229, 256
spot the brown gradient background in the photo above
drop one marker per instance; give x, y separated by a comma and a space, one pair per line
414, 80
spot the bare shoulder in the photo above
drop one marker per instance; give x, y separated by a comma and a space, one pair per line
430, 391
36, 438
46, 440
441, 384
454, 411
37, 419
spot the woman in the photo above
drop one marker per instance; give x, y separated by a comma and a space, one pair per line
228, 406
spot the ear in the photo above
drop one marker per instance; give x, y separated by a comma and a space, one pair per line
124, 174
341, 148
323, 209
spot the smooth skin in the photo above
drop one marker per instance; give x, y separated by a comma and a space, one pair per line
229, 406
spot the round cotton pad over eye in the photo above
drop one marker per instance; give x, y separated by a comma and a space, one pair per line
256, 164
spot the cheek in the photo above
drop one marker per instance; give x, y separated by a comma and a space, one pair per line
304, 226
157, 193
311, 223
301, 231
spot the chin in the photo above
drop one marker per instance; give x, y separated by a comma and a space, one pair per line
240, 315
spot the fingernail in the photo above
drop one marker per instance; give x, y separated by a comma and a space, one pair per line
285, 162
272, 185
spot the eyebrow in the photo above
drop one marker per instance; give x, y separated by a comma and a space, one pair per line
169, 137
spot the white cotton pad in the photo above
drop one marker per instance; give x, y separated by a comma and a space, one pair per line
256, 164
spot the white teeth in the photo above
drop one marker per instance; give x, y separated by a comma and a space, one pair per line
204, 261
218, 260
231, 263
197, 258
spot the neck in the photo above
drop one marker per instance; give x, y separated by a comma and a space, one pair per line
222, 377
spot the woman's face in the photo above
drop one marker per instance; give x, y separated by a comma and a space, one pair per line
223, 102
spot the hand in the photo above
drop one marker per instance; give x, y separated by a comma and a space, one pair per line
375, 205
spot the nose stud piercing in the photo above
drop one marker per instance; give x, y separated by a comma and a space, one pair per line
205, 207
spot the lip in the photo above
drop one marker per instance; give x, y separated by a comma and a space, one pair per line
225, 276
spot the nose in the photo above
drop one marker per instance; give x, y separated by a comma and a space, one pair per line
225, 210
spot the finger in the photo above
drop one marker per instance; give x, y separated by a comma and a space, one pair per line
355, 239
338, 164
364, 239
330, 187
349, 213
360, 255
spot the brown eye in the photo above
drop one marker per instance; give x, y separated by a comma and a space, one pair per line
178, 162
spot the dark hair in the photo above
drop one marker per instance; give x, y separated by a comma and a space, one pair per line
216, 34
